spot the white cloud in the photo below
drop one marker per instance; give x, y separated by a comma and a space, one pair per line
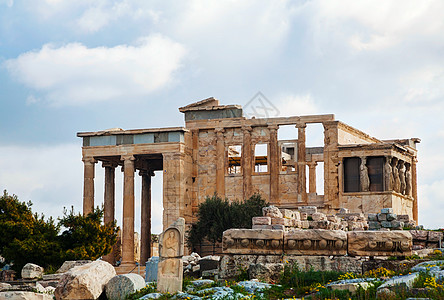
76, 75
374, 26
296, 105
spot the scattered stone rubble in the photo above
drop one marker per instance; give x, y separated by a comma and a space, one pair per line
307, 217
386, 219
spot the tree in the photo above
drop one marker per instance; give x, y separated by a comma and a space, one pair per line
86, 237
215, 215
27, 237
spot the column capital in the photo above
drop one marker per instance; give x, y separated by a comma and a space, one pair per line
301, 125
312, 163
273, 127
89, 160
127, 157
219, 130
247, 128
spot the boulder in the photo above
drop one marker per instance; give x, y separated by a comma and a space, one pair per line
265, 272
69, 264
85, 282
120, 286
32, 271
4, 286
21, 295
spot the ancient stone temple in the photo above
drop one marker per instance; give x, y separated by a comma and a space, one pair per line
219, 150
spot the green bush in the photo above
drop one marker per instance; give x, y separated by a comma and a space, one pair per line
216, 215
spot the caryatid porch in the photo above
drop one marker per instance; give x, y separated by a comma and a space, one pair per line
145, 151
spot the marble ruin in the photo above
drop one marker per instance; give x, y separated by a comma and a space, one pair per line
333, 235
218, 151
170, 268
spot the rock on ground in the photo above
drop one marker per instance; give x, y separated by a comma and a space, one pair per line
4, 286
85, 282
69, 264
120, 286
20, 295
31, 271
265, 272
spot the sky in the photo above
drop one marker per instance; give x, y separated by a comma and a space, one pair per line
88, 65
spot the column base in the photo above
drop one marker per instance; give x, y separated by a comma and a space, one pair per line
128, 264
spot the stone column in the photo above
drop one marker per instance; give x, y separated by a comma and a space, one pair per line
145, 217
247, 162
274, 165
220, 162
88, 185
128, 211
109, 202
312, 177
415, 190
301, 164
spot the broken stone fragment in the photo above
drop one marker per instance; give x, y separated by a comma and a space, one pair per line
261, 221
271, 211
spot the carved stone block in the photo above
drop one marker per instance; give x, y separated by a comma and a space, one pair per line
308, 209
304, 216
379, 243
421, 235
261, 227
373, 217
261, 221
281, 221
319, 217
171, 246
403, 218
252, 241
286, 213
434, 236
387, 210
382, 217
271, 211
315, 242
391, 217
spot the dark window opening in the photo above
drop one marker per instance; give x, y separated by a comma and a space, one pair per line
375, 167
351, 174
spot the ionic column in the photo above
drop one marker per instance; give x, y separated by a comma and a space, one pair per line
128, 211
220, 162
247, 164
312, 177
145, 216
109, 201
274, 165
302, 189
88, 185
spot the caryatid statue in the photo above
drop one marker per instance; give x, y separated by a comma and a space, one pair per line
396, 180
388, 174
408, 180
365, 181
401, 168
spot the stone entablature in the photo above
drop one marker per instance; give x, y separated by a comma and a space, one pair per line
317, 242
